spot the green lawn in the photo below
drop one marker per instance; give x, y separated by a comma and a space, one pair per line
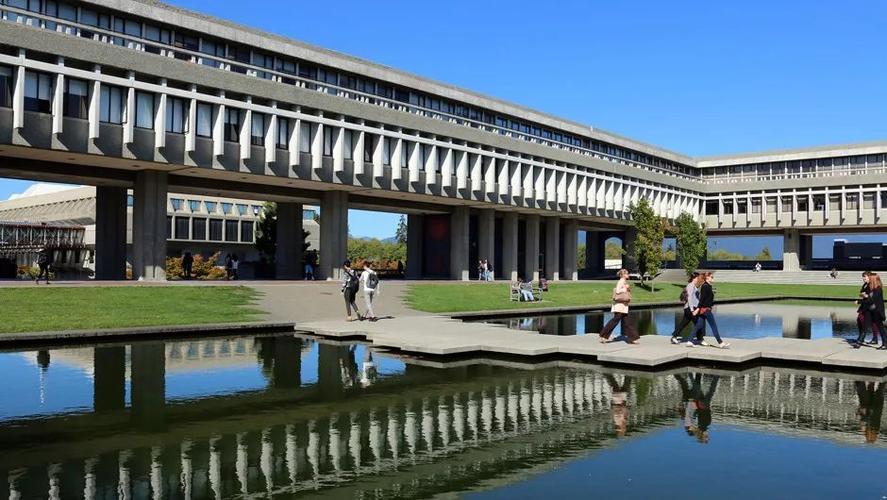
466, 297
49, 308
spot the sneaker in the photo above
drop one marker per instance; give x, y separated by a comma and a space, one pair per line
724, 345
690, 344
704, 343
675, 340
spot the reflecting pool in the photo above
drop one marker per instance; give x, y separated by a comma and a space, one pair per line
748, 320
292, 416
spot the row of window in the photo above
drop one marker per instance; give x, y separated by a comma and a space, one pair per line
227, 208
797, 166
195, 228
260, 61
851, 202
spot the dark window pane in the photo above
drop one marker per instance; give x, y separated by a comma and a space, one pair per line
246, 231
215, 229
231, 230
198, 229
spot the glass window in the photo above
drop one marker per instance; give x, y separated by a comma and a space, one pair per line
241, 209
176, 115
187, 42
283, 133
742, 207
305, 133
246, 231
257, 210
756, 205
257, 131
76, 98
387, 147
168, 226
38, 92
834, 202
111, 105
786, 203
818, 202
194, 205
231, 230
176, 203
711, 207
67, 12
232, 124
868, 200
802, 204
728, 207
369, 145
144, 110
204, 119
852, 202
6, 86
349, 144
129, 200
157, 34
183, 224
771, 205
210, 206
198, 229
226, 208
215, 229
327, 141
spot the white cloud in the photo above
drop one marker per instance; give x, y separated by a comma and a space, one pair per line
39, 188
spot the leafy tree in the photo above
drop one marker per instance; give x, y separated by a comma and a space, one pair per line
401, 235
651, 233
764, 254
692, 242
612, 250
580, 261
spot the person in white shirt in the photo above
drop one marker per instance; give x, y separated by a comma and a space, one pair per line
370, 281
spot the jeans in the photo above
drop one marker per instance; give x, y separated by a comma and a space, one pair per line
349, 294
700, 324
628, 329
527, 296
368, 295
688, 319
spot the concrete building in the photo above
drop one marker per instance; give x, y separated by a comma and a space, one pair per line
144, 96
198, 224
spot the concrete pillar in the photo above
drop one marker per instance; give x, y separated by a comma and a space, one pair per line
288, 254
531, 248
791, 246
415, 239
805, 246
148, 383
486, 235
149, 226
459, 244
509, 246
552, 248
109, 378
594, 253
110, 233
571, 249
333, 234
628, 242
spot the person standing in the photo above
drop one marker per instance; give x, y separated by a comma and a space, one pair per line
228, 263
350, 285
876, 309
621, 299
43, 261
370, 281
690, 298
863, 312
489, 270
187, 265
235, 264
704, 312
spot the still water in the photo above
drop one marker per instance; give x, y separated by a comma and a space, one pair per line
750, 320
291, 416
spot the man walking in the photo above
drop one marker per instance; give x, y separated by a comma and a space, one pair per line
370, 281
43, 264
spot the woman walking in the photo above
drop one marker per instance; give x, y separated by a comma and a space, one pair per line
370, 281
350, 285
621, 299
690, 298
871, 310
704, 312
863, 312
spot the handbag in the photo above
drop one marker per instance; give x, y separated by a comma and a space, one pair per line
622, 297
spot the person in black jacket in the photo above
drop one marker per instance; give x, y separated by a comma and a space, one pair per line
704, 312
876, 309
864, 311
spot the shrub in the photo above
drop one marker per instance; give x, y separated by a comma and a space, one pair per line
203, 268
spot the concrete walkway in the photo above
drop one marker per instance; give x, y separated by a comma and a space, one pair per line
442, 336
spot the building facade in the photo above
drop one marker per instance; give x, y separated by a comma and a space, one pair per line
144, 96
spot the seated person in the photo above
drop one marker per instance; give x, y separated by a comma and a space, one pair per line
526, 290
543, 284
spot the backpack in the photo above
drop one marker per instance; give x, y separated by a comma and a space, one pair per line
43, 258
373, 280
353, 281
683, 298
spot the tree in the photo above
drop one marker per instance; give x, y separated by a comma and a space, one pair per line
650, 234
266, 233
401, 234
692, 242
764, 254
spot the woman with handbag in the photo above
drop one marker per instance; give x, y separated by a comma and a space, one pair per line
621, 299
873, 315
704, 313
864, 317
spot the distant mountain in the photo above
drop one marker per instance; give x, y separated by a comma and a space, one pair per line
392, 239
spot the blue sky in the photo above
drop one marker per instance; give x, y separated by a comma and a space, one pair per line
698, 77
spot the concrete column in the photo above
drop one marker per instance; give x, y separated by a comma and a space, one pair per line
486, 234
459, 244
628, 258
509, 246
805, 247
552, 248
594, 253
571, 249
415, 239
110, 233
149, 226
109, 378
148, 383
531, 247
288, 254
333, 234
791, 246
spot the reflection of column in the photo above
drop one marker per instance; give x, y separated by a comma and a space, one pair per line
443, 421
156, 475
790, 326
148, 388
393, 433
13, 479
124, 481
109, 378
187, 469
427, 426
55, 482
486, 414
89, 479
287, 362
241, 463
458, 419
410, 431
215, 467
266, 459
314, 448
355, 447
290, 456
335, 444
376, 438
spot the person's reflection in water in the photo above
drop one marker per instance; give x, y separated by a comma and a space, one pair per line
619, 403
697, 416
871, 405
368, 372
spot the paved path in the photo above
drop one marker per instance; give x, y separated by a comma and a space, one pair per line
442, 336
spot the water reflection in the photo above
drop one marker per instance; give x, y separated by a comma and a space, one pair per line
346, 419
749, 320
